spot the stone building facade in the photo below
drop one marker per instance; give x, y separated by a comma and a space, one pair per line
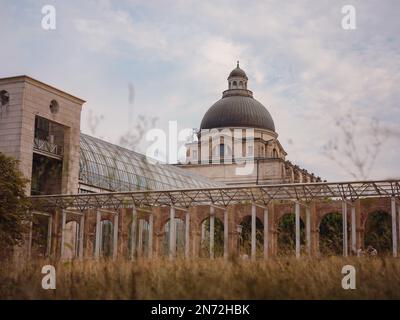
39, 123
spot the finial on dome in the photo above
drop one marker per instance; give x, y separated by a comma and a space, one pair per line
237, 64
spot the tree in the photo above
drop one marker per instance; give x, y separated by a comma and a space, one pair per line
13, 205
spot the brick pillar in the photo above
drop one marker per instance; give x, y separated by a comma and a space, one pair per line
157, 233
56, 234
232, 232
122, 236
88, 236
273, 233
359, 227
314, 229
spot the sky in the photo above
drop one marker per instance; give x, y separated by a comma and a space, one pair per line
170, 60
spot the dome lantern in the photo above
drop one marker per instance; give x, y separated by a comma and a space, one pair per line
237, 108
237, 78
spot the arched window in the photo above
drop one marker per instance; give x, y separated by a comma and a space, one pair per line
221, 150
234, 84
274, 153
241, 84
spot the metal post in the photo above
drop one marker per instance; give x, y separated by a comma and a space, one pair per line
344, 224
212, 230
353, 231
115, 236
81, 235
394, 227
133, 234
187, 233
49, 231
172, 236
297, 217
63, 220
253, 231
98, 235
151, 223
308, 230
266, 233
226, 234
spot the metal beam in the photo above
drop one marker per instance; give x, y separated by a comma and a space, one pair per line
220, 196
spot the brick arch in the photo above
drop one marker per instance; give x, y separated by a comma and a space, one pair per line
332, 242
369, 206
258, 217
280, 211
325, 208
74, 218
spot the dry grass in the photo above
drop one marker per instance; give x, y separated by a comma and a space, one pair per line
283, 278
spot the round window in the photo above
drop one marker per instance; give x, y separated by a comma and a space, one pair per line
54, 106
4, 98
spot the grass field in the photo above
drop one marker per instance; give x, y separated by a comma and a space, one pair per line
283, 278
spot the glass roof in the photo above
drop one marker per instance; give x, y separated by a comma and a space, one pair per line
111, 167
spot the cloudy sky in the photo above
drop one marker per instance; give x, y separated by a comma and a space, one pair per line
308, 71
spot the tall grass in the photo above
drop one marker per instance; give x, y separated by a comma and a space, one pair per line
281, 278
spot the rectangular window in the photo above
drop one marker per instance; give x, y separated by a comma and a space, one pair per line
250, 150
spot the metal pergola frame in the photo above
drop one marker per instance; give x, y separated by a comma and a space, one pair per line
221, 196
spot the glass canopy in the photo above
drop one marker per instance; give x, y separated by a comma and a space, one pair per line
110, 167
